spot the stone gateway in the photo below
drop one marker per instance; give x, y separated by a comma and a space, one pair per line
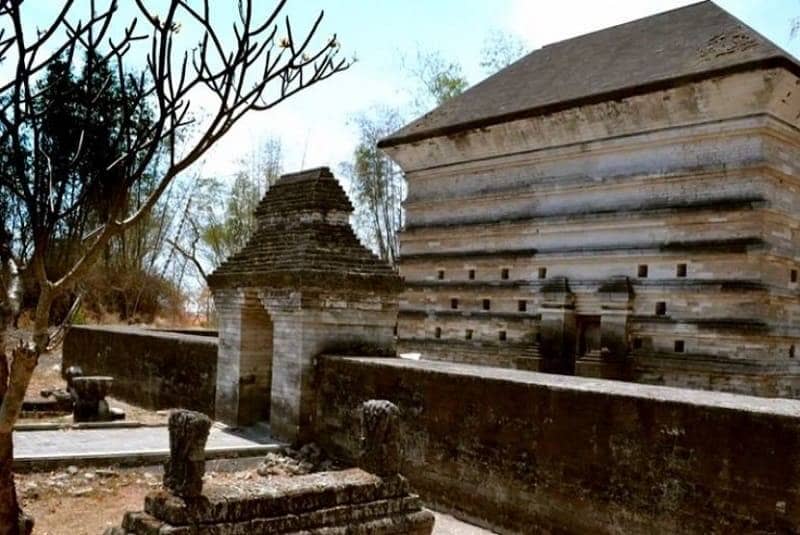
302, 285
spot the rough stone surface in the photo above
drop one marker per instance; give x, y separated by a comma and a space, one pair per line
89, 398
538, 453
151, 369
301, 286
342, 502
183, 472
381, 448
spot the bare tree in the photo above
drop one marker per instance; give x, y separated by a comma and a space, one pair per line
500, 49
377, 184
255, 68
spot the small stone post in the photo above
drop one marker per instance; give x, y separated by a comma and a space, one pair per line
183, 472
381, 450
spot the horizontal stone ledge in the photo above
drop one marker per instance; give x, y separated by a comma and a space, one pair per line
399, 519
473, 344
449, 370
275, 497
711, 324
644, 209
577, 181
200, 337
718, 246
469, 314
534, 284
707, 363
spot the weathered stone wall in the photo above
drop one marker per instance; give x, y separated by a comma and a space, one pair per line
153, 369
534, 453
686, 191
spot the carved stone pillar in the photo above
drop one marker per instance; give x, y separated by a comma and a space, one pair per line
381, 447
184, 471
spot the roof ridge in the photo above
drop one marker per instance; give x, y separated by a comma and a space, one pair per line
632, 21
683, 45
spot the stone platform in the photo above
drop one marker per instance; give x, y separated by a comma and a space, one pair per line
348, 501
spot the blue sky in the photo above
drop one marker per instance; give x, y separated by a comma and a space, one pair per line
314, 126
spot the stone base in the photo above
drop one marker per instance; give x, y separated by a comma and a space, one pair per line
588, 366
343, 502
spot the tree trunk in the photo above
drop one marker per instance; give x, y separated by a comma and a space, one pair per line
9, 506
14, 379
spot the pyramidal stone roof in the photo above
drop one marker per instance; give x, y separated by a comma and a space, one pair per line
304, 240
679, 46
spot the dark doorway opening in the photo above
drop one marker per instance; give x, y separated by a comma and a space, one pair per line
588, 330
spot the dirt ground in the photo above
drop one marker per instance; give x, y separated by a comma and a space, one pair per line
87, 501
47, 376
84, 502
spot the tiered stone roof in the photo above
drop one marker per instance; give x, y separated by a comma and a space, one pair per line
683, 45
304, 240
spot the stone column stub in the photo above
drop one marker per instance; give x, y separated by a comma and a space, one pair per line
184, 471
380, 442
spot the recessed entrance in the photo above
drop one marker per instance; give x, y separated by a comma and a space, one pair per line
588, 339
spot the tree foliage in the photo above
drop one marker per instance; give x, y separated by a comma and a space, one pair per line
438, 79
500, 49
48, 188
376, 184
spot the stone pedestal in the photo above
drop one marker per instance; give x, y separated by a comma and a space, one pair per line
89, 394
333, 503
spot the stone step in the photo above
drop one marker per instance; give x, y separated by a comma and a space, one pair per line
274, 497
398, 515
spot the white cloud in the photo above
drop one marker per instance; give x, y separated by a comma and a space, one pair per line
544, 22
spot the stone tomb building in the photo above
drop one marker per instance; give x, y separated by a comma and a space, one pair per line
301, 286
621, 204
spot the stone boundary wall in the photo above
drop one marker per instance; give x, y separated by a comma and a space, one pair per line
525, 452
155, 369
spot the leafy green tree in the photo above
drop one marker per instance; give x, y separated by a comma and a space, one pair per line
438, 80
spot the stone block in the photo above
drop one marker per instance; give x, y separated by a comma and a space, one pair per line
183, 472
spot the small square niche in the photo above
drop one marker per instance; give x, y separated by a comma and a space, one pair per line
680, 271
679, 346
641, 272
